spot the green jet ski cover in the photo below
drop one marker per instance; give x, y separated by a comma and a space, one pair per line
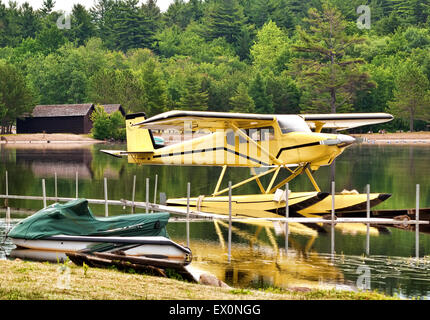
75, 218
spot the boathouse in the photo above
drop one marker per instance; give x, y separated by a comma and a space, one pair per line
62, 118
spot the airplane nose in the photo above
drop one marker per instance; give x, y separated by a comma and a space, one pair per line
345, 140
342, 140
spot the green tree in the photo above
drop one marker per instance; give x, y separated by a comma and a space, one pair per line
411, 94
47, 7
241, 101
16, 97
324, 70
262, 99
271, 49
117, 86
154, 87
194, 98
107, 126
224, 19
82, 26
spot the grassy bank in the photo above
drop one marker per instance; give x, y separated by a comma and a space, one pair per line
35, 280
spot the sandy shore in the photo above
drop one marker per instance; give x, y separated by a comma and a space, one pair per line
39, 138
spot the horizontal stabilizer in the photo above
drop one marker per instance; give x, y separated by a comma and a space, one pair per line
116, 153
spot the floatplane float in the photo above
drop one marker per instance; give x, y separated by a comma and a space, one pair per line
71, 229
268, 143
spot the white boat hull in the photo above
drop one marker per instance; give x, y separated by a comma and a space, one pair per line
154, 247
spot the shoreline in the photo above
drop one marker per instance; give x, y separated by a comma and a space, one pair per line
397, 138
47, 138
39, 281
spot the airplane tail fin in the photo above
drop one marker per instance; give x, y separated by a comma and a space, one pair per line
138, 140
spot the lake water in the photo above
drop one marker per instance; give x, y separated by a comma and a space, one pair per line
258, 255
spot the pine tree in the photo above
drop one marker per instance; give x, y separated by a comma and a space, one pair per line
262, 99
153, 87
47, 7
194, 98
329, 76
131, 28
225, 20
241, 101
83, 27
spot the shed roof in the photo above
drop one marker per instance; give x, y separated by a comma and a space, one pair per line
111, 108
61, 110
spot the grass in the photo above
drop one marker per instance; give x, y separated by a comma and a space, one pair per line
34, 280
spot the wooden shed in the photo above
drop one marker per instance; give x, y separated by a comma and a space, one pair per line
63, 118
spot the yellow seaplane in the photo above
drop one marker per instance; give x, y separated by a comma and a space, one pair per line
265, 143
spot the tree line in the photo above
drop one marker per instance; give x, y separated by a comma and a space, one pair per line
260, 56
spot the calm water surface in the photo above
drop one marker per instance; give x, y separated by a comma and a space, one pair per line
258, 253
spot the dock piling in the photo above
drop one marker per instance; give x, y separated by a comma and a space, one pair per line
133, 194
7, 191
155, 190
188, 214
55, 185
368, 217
229, 222
147, 195
332, 215
106, 198
417, 225
287, 215
7, 218
77, 185
44, 193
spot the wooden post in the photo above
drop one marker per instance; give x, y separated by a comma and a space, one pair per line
7, 218
6, 201
417, 226
188, 214
77, 188
106, 198
155, 190
44, 193
229, 222
332, 215
147, 195
7, 185
368, 217
133, 194
55, 186
287, 215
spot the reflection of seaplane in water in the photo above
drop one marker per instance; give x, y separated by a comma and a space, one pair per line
268, 143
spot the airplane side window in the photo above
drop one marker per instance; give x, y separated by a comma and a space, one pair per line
230, 137
242, 139
267, 133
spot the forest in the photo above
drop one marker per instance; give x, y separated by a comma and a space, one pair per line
257, 56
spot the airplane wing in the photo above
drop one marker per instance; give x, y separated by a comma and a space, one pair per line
198, 120
344, 121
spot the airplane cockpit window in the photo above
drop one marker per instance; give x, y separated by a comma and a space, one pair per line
257, 134
292, 123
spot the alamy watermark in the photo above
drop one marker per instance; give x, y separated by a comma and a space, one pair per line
64, 21
63, 279
363, 21
363, 280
